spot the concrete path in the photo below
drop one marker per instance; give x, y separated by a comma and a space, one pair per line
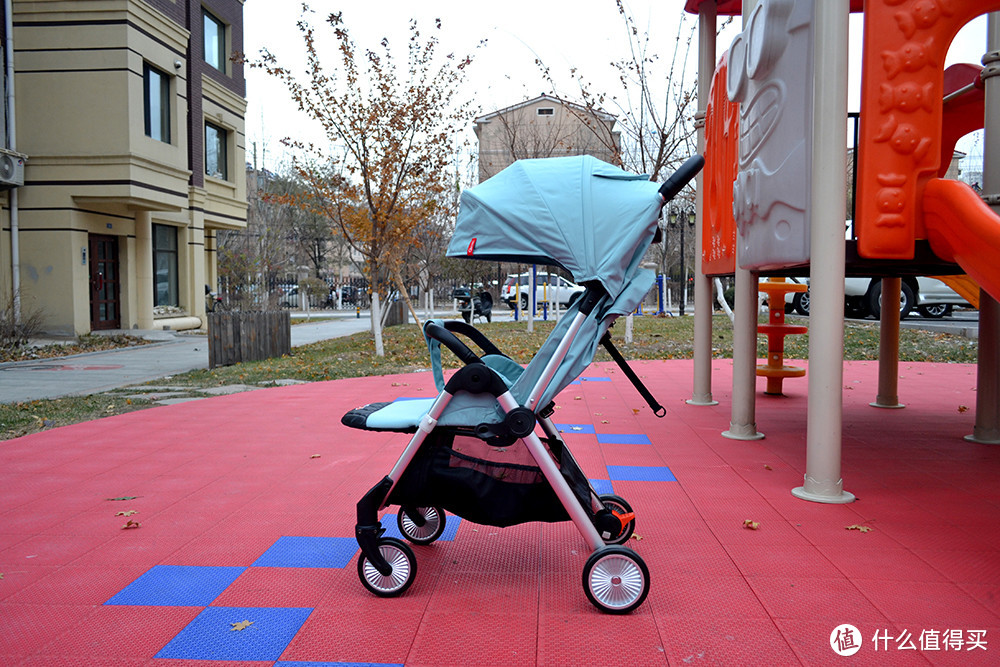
174, 352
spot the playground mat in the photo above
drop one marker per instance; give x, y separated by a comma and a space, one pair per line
242, 511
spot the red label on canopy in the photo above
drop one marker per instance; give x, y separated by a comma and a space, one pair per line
471, 248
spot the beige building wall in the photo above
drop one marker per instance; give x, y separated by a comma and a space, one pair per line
543, 127
93, 171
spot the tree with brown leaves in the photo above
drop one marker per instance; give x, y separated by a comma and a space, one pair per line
392, 133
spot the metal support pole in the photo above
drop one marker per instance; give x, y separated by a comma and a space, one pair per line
987, 428
828, 210
888, 347
701, 393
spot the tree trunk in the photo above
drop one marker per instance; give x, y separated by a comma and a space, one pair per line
406, 297
376, 316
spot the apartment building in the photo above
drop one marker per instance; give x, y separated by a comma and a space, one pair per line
131, 116
544, 126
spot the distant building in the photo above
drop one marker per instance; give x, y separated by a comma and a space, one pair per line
131, 115
545, 126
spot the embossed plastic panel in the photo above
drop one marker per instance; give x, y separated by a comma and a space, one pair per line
771, 75
905, 44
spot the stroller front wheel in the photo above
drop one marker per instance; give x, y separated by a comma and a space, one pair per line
404, 569
422, 525
615, 579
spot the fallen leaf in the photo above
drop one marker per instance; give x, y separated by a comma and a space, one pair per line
863, 529
963, 408
578, 398
315, 456
635, 412
576, 428
636, 536
767, 467
242, 625
127, 513
605, 421
750, 525
123, 498
131, 524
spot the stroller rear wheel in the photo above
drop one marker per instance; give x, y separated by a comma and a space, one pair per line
404, 569
615, 579
421, 525
620, 508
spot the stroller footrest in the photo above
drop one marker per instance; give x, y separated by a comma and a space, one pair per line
401, 416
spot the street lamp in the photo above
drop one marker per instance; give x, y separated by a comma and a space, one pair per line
679, 218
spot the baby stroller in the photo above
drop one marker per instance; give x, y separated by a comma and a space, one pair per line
475, 450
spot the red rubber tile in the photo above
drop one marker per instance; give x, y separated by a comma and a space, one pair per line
17, 579
760, 560
122, 632
704, 596
496, 591
859, 562
810, 640
722, 641
50, 550
929, 604
279, 587
25, 628
475, 638
583, 639
72, 585
833, 599
375, 632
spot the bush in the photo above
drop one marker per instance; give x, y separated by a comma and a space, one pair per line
14, 333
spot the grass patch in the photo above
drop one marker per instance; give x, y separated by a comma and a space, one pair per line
353, 356
85, 343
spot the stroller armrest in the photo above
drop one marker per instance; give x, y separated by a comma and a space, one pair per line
473, 334
441, 334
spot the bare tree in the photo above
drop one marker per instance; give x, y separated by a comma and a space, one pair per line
394, 132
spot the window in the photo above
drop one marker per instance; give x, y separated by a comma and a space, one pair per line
164, 265
215, 151
215, 41
156, 107
546, 111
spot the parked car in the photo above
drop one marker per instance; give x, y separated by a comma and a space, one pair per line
547, 287
863, 297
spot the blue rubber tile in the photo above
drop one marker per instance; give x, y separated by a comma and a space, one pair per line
309, 552
623, 439
211, 635
177, 586
594, 379
575, 428
601, 486
641, 474
392, 527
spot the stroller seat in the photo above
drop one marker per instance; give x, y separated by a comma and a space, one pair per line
404, 415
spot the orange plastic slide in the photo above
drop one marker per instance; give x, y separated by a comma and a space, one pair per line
961, 228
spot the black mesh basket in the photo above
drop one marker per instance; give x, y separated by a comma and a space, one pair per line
493, 486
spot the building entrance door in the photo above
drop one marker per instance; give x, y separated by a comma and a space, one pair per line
105, 304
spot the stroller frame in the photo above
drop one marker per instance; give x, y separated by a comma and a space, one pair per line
616, 581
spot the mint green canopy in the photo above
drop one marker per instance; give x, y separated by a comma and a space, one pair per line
579, 213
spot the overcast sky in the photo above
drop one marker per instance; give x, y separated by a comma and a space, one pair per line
585, 34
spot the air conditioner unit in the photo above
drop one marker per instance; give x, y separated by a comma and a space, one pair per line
11, 169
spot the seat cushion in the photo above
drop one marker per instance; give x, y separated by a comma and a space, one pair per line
401, 415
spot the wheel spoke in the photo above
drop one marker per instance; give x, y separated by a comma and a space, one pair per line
431, 521
395, 579
616, 581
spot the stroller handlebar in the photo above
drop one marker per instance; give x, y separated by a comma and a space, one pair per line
681, 177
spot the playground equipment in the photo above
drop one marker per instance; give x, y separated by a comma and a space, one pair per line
776, 329
788, 161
